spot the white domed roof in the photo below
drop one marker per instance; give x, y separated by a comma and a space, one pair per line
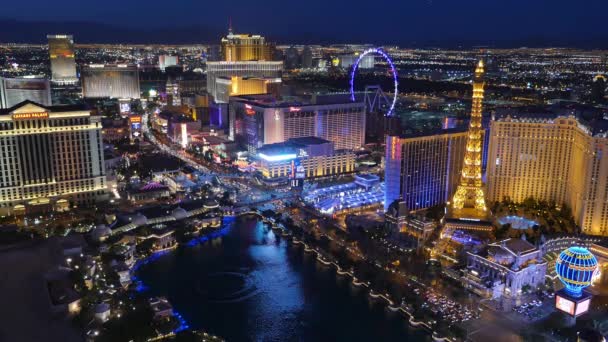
100, 232
179, 213
139, 219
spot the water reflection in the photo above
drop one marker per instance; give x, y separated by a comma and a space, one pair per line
250, 285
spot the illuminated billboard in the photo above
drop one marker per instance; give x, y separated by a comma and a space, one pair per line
565, 305
297, 170
582, 307
573, 306
28, 116
125, 107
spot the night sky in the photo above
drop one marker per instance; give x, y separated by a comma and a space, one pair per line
405, 22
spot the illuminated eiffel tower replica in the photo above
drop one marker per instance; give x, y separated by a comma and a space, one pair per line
468, 209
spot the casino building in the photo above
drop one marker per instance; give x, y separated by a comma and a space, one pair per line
551, 156
226, 78
258, 120
63, 62
51, 157
504, 268
119, 81
303, 158
423, 170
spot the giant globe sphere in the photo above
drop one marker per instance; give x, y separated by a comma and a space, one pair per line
575, 268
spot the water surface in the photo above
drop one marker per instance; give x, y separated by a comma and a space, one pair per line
250, 285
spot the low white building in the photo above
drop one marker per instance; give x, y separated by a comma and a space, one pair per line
505, 268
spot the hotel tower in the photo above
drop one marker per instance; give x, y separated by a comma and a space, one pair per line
51, 158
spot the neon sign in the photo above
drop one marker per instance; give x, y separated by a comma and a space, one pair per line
26, 116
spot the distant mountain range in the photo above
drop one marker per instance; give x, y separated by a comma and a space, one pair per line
13, 31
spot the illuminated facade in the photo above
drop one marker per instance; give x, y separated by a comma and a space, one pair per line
258, 120
304, 158
63, 63
552, 158
469, 199
504, 269
165, 61
235, 86
115, 81
16, 90
245, 69
423, 171
50, 156
245, 47
575, 268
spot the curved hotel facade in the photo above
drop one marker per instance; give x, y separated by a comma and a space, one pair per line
551, 157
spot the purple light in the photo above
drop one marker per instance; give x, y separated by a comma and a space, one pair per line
380, 52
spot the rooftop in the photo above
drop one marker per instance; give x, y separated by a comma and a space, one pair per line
590, 117
295, 102
60, 108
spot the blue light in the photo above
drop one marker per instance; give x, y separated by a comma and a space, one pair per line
575, 268
380, 52
183, 325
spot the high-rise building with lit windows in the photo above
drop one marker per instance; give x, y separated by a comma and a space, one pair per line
243, 56
50, 157
222, 71
423, 170
63, 62
245, 47
552, 157
120, 81
257, 120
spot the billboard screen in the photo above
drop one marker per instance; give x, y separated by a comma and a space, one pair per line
125, 107
582, 307
297, 170
565, 305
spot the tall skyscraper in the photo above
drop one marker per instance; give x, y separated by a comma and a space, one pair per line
245, 47
257, 120
17, 90
423, 170
551, 157
469, 199
110, 80
51, 156
63, 62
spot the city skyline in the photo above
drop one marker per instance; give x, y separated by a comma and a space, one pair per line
287, 170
